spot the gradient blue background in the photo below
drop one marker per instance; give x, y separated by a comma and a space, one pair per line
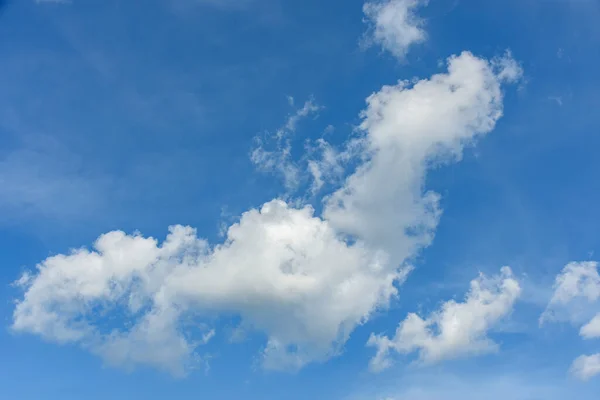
138, 115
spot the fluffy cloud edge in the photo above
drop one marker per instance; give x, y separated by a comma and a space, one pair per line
456, 329
576, 294
394, 25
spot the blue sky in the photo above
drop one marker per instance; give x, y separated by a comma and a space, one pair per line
346, 231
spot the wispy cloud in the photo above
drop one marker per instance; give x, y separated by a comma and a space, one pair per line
557, 99
280, 159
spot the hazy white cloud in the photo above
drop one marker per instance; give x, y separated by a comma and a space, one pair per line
591, 330
394, 24
578, 279
575, 288
576, 293
586, 367
47, 183
457, 329
328, 164
304, 281
476, 385
509, 70
557, 99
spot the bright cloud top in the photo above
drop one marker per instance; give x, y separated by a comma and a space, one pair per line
457, 329
394, 24
576, 295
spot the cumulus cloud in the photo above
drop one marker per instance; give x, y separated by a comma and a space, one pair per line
394, 24
410, 128
457, 329
305, 281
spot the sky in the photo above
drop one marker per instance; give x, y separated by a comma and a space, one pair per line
267, 199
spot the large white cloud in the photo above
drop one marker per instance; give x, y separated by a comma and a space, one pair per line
304, 281
457, 329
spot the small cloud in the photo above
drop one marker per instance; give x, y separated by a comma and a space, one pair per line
577, 286
586, 367
507, 68
461, 327
394, 25
557, 99
208, 336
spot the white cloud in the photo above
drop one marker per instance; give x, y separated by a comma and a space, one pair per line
409, 128
457, 329
591, 329
509, 70
586, 367
576, 291
578, 279
557, 99
575, 288
284, 271
331, 163
394, 24
304, 281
